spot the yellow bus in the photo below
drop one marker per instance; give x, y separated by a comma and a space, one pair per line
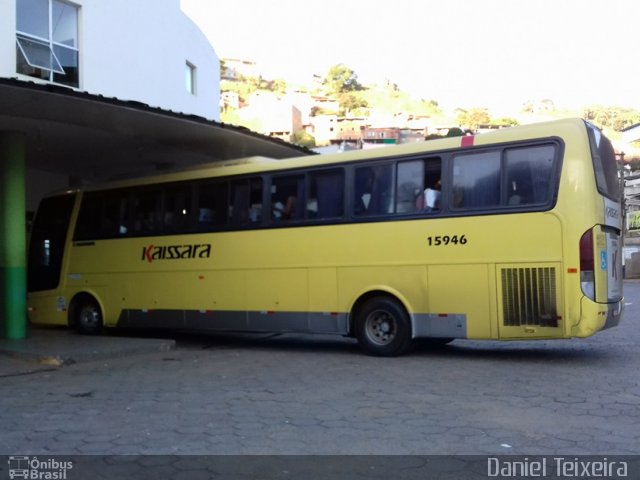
513, 234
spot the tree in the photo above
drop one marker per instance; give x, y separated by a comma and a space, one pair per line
278, 85
613, 118
243, 89
302, 137
474, 118
350, 103
504, 121
455, 132
341, 79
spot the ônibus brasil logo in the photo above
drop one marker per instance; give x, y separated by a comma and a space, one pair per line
152, 252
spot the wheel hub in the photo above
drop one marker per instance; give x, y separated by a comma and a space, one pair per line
380, 328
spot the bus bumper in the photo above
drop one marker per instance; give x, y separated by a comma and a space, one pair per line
47, 309
597, 316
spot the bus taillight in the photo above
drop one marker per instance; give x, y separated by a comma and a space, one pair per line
587, 279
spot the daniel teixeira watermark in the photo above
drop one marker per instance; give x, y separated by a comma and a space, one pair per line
499, 467
34, 468
557, 467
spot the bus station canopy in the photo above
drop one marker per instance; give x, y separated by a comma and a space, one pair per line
94, 137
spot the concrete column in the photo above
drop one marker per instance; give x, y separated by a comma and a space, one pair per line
13, 241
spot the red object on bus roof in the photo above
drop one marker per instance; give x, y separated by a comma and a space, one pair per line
467, 141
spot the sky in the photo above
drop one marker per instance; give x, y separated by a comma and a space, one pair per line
494, 54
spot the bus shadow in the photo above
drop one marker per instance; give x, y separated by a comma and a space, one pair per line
567, 351
284, 342
207, 340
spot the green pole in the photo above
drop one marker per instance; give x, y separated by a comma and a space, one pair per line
13, 238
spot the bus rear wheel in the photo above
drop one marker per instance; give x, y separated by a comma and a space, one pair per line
382, 327
87, 316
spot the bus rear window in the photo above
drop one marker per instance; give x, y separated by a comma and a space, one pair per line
604, 164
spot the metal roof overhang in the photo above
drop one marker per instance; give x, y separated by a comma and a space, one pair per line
96, 138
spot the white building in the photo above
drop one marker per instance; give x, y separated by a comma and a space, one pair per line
142, 50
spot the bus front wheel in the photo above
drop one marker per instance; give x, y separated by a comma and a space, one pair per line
87, 316
382, 327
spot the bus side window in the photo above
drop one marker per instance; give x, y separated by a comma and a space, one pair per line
177, 209
374, 190
255, 200
476, 180
239, 203
288, 198
147, 213
89, 220
529, 173
410, 186
326, 194
212, 206
246, 202
115, 215
432, 196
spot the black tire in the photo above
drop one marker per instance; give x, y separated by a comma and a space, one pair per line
382, 327
87, 316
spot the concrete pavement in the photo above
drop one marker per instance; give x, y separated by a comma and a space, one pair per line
317, 395
49, 348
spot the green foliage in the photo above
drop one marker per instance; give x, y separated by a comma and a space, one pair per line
455, 132
452, 132
278, 86
512, 122
341, 83
322, 111
341, 79
613, 118
245, 86
352, 104
243, 89
473, 118
232, 118
391, 101
302, 137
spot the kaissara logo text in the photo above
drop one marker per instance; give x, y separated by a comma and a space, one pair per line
152, 252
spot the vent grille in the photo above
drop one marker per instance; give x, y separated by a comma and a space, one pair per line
529, 297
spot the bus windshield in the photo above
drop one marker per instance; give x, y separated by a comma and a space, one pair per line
48, 242
604, 164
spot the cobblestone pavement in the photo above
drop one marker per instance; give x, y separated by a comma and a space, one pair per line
319, 395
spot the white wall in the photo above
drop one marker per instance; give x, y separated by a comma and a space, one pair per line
134, 50
137, 50
7, 38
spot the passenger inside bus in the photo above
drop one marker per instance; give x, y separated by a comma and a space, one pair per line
285, 210
374, 192
429, 200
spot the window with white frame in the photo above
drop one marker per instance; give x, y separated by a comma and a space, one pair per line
190, 77
47, 40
